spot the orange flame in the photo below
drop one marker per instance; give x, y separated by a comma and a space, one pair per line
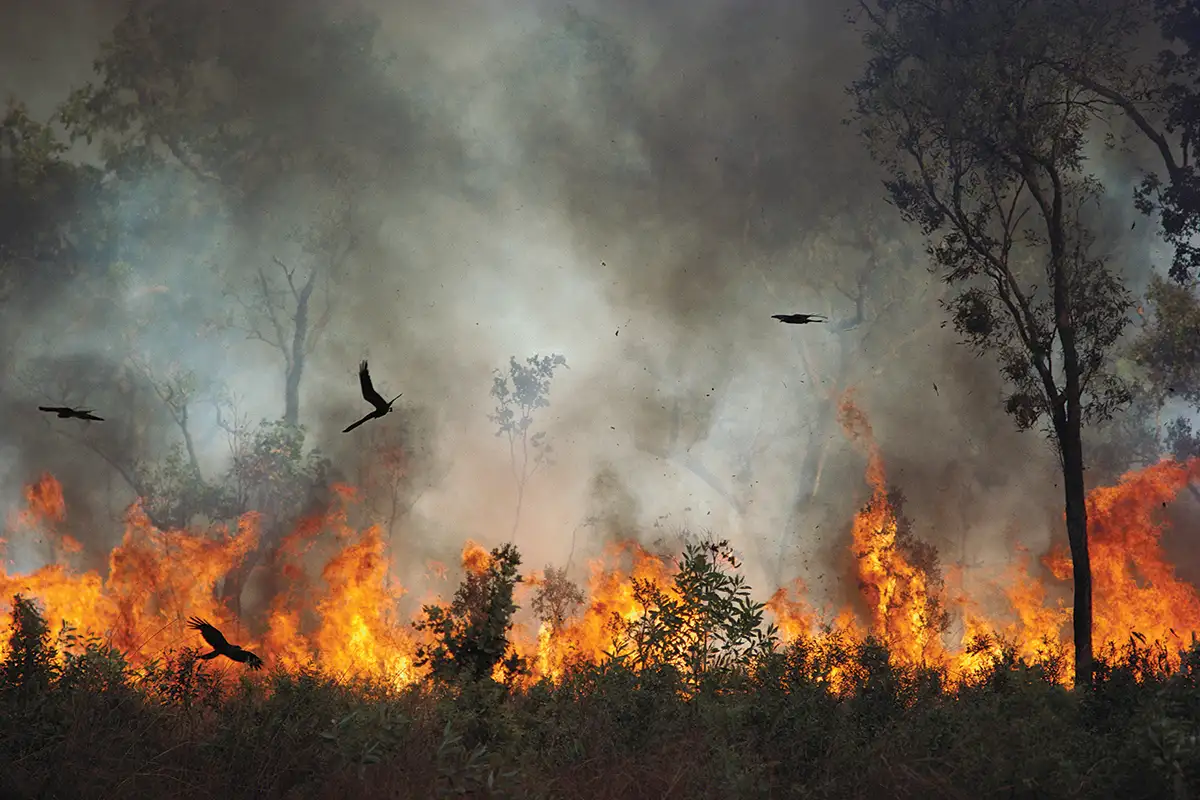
338, 606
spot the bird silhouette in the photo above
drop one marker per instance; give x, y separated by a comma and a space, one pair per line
799, 319
221, 646
371, 396
72, 413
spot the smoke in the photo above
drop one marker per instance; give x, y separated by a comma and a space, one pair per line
635, 186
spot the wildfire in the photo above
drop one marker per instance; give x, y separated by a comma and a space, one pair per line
338, 606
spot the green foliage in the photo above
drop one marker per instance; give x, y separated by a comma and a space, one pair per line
772, 728
271, 472
1175, 95
174, 492
274, 473
705, 627
471, 634
29, 665
464, 772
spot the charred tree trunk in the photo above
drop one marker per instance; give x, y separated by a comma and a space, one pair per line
295, 360
1075, 492
1067, 414
291, 392
1068, 423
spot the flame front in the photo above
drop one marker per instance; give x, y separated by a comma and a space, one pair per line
344, 612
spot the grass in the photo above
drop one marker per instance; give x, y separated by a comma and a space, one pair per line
80, 723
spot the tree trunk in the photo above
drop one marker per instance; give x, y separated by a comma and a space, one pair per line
1071, 443
291, 392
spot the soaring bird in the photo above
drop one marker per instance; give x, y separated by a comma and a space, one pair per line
72, 413
371, 396
221, 646
800, 319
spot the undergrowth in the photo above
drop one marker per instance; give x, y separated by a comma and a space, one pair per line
698, 700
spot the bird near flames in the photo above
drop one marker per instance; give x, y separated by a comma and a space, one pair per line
221, 646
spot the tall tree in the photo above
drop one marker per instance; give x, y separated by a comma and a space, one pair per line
982, 141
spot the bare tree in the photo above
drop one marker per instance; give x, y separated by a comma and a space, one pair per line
289, 307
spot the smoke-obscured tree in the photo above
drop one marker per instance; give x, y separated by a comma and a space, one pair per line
1160, 96
279, 312
983, 144
1168, 352
275, 475
196, 85
518, 394
880, 287
556, 598
235, 122
48, 214
1169, 345
399, 464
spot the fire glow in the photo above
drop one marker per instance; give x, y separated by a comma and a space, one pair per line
347, 621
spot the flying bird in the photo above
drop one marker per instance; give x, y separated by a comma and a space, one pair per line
72, 413
221, 646
800, 319
371, 396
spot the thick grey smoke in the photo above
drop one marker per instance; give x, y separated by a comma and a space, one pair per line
637, 186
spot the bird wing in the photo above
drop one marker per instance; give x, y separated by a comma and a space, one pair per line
53, 409
243, 656
368, 390
91, 416
354, 425
216, 640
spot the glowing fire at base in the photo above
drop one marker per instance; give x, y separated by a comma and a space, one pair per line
347, 622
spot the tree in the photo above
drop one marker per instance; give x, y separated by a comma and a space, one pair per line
50, 226
982, 140
470, 636
242, 120
399, 464
1168, 352
703, 625
280, 317
556, 598
274, 474
869, 301
518, 394
1162, 100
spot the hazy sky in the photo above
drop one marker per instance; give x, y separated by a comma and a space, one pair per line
642, 206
